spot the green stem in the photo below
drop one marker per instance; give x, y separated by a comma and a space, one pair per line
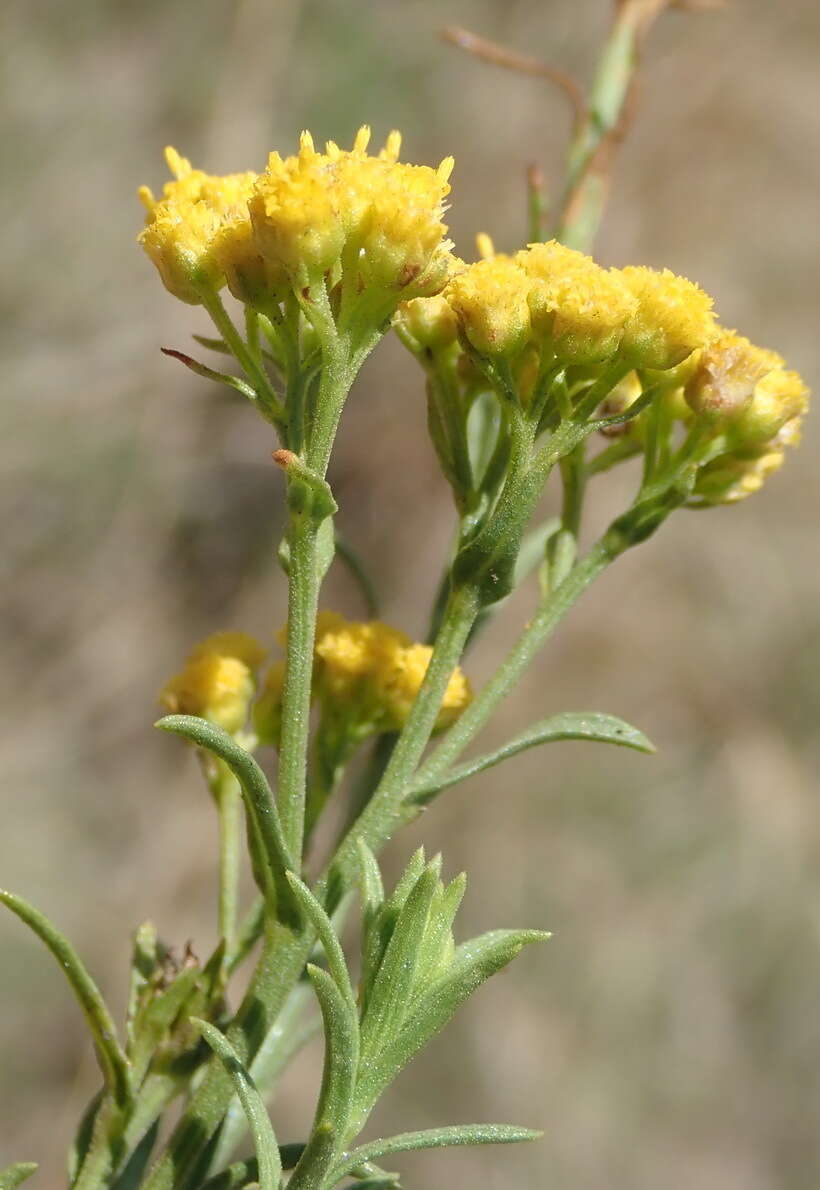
528, 645
254, 369
228, 797
303, 597
382, 814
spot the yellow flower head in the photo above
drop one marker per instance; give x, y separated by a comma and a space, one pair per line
217, 681
489, 299
581, 307
376, 215
673, 318
183, 226
373, 672
398, 679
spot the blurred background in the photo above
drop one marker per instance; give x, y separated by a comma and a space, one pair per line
669, 1033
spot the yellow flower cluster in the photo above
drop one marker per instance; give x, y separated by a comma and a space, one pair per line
556, 299
755, 404
366, 673
218, 680
380, 669
372, 218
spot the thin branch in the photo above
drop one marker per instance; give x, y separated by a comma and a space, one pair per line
499, 55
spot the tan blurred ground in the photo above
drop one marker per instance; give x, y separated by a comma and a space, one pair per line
669, 1034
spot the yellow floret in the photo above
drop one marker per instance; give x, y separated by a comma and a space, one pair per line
217, 681
579, 306
673, 319
490, 302
183, 226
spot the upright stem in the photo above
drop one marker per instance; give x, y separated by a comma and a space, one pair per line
529, 643
303, 597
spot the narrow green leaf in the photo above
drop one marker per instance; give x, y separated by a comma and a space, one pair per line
328, 937
434, 1138
370, 882
391, 989
341, 1053
210, 374
218, 345
437, 949
255, 789
572, 725
473, 963
15, 1174
264, 1138
376, 938
113, 1061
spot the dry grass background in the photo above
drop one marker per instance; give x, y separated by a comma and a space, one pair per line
669, 1033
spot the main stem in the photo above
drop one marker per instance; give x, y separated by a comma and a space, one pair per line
303, 597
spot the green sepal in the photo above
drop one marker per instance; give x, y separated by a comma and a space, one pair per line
112, 1059
264, 1139
341, 1028
257, 795
391, 988
473, 963
433, 1138
15, 1174
572, 725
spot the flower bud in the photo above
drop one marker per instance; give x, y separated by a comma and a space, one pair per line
429, 323
217, 682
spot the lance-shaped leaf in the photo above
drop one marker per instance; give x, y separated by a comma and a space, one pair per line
378, 932
265, 1146
15, 1174
341, 1053
437, 949
328, 937
255, 790
434, 1138
392, 987
112, 1060
572, 725
210, 373
473, 963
